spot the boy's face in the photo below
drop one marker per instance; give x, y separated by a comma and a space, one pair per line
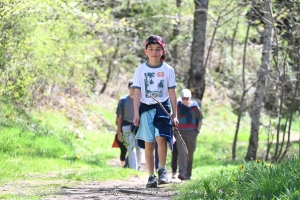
154, 52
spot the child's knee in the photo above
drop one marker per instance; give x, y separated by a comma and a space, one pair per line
160, 140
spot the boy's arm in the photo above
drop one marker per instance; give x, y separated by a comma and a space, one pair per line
173, 99
136, 106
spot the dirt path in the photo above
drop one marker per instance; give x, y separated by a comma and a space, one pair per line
134, 188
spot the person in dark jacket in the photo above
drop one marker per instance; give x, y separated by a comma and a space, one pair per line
190, 122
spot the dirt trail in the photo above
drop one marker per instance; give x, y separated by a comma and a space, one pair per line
133, 188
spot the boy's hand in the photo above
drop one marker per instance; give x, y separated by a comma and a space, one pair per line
175, 120
136, 120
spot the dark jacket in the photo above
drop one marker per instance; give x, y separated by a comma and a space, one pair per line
161, 121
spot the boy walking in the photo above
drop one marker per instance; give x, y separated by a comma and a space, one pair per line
155, 79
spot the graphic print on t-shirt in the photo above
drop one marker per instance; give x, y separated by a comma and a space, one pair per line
154, 84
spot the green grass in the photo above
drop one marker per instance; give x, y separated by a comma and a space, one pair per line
25, 151
47, 147
216, 176
253, 180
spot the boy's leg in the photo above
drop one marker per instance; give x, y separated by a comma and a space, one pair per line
162, 154
149, 147
149, 156
162, 150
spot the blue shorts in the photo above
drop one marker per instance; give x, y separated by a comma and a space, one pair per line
147, 131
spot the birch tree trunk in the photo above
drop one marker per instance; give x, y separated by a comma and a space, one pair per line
261, 83
176, 34
196, 81
243, 95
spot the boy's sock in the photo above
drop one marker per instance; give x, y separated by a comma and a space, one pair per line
161, 167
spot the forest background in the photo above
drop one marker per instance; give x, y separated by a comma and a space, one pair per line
242, 55
234, 53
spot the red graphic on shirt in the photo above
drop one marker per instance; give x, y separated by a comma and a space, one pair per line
160, 74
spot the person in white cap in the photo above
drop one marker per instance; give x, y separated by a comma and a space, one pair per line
190, 120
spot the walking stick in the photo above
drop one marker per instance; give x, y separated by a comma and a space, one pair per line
177, 133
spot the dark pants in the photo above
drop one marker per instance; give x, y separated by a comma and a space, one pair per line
174, 158
123, 149
185, 162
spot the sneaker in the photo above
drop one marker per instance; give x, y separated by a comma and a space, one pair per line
174, 175
152, 181
181, 177
162, 176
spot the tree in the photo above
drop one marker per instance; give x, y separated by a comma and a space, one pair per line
257, 104
242, 98
197, 69
176, 33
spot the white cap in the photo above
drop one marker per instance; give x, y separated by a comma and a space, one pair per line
185, 93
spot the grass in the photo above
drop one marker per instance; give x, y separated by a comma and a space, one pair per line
216, 176
253, 180
47, 148
52, 151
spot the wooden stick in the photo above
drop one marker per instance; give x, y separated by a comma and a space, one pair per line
178, 133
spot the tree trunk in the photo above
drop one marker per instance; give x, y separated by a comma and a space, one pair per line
261, 83
292, 110
176, 33
197, 69
110, 68
243, 96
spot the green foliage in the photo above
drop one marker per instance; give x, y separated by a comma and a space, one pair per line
17, 142
47, 143
253, 180
55, 45
67, 44
14, 76
49, 48
32, 147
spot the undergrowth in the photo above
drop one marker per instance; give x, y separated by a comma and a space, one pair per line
252, 180
76, 145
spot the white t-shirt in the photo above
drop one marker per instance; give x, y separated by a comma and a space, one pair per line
155, 81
